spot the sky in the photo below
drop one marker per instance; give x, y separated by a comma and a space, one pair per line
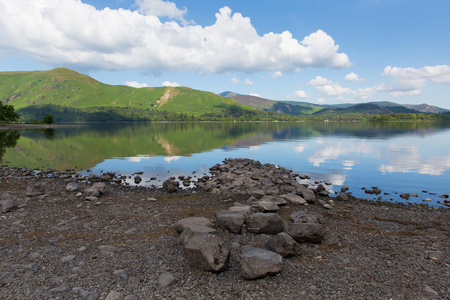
318, 51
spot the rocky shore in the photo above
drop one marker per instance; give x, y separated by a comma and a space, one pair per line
66, 236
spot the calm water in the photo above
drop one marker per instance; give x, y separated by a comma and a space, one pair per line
398, 157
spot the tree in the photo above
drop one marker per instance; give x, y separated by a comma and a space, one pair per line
48, 119
8, 113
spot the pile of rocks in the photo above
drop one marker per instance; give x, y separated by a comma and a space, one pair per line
205, 249
268, 185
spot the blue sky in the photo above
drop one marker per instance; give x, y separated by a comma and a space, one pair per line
316, 51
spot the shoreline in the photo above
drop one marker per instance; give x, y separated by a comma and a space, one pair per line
58, 243
37, 126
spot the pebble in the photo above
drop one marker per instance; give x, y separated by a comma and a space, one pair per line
67, 258
113, 295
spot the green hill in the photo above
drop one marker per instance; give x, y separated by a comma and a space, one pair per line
293, 108
67, 89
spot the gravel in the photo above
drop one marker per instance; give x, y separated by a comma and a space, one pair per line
57, 245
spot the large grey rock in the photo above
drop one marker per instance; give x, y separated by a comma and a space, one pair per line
283, 244
308, 195
265, 206
270, 223
194, 230
72, 186
208, 252
294, 199
7, 203
35, 190
343, 197
257, 193
307, 232
259, 263
302, 216
185, 223
95, 190
230, 220
274, 199
245, 209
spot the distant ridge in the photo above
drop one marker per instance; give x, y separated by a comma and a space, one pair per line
302, 108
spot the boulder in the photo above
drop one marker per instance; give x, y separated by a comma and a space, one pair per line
283, 244
274, 199
302, 216
208, 252
181, 225
259, 263
307, 232
8, 202
270, 223
294, 199
193, 231
257, 193
230, 220
344, 189
343, 197
404, 196
245, 209
95, 190
137, 179
35, 190
265, 206
72, 187
375, 190
308, 195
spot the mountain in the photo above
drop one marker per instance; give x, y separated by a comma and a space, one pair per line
64, 88
425, 108
305, 108
286, 107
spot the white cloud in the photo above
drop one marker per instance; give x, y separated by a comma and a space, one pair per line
234, 80
276, 74
319, 81
320, 100
410, 81
300, 94
248, 82
168, 83
72, 33
255, 95
330, 88
136, 84
353, 77
160, 8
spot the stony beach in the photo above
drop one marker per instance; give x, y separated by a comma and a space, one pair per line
60, 238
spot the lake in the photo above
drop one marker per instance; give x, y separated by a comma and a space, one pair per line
396, 157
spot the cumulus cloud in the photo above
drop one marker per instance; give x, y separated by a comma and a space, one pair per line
248, 82
410, 81
160, 8
300, 94
136, 84
320, 100
73, 33
255, 95
234, 80
353, 77
168, 83
330, 88
276, 74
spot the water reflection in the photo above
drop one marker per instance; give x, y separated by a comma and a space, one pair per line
395, 156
